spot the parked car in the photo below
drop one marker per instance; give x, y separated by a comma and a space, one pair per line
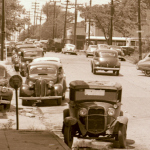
44, 81
94, 111
69, 48
15, 57
90, 50
6, 93
54, 59
106, 60
103, 46
144, 65
128, 50
119, 50
27, 55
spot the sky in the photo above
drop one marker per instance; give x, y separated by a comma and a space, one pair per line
29, 4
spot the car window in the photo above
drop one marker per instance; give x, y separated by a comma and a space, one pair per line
43, 70
33, 53
107, 54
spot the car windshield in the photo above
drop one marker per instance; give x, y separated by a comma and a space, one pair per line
2, 73
44, 70
33, 53
70, 46
96, 95
93, 47
107, 54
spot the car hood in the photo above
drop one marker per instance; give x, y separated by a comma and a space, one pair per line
109, 62
89, 105
41, 77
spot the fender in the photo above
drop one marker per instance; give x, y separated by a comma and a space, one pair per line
25, 91
115, 125
59, 89
69, 121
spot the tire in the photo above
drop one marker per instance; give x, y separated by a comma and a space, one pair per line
86, 55
22, 73
122, 135
6, 106
16, 68
59, 101
94, 71
66, 113
117, 73
68, 135
24, 103
147, 73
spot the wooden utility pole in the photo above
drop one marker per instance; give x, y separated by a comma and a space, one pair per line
111, 23
139, 29
75, 23
3, 29
64, 38
89, 26
36, 6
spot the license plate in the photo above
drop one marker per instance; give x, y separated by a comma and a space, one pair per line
94, 92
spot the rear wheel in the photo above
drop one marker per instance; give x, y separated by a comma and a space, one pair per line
147, 73
16, 68
68, 135
122, 135
93, 70
24, 102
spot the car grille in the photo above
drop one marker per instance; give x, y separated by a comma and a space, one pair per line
96, 120
40, 88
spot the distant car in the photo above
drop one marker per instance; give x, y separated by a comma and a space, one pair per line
128, 50
6, 93
45, 81
144, 65
103, 46
53, 59
119, 50
90, 50
27, 55
94, 112
69, 48
106, 60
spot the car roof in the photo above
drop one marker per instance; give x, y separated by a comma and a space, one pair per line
42, 63
26, 45
47, 59
106, 50
83, 84
31, 49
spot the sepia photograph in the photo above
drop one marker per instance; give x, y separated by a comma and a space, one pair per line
74, 74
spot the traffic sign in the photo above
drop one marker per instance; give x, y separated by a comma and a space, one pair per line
15, 81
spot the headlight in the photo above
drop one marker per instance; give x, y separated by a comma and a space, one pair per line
83, 112
111, 111
97, 63
31, 84
50, 84
4, 89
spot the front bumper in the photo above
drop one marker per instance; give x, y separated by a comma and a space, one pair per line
105, 68
40, 98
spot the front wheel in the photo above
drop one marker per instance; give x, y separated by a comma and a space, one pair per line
16, 68
122, 135
147, 73
59, 101
68, 135
23, 73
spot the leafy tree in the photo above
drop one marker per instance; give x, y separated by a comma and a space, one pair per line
124, 16
14, 16
47, 27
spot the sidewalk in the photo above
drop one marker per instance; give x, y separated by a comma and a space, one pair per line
30, 140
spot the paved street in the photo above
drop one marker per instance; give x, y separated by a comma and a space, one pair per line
135, 99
